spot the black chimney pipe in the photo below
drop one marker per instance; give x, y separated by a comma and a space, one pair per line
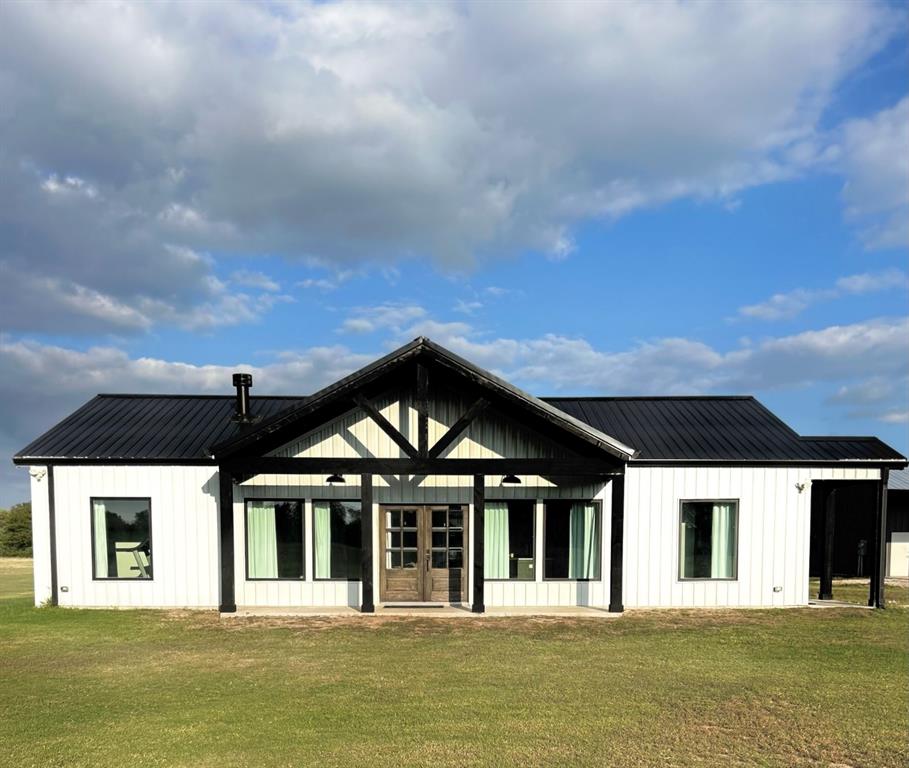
242, 381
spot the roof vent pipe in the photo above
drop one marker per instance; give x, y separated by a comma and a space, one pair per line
242, 381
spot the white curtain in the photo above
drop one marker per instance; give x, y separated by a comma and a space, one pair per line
722, 550
99, 512
321, 511
262, 541
496, 546
583, 542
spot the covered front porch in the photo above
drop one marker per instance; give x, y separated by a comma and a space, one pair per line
421, 479
488, 545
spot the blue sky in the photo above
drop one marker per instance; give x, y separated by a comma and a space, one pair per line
617, 199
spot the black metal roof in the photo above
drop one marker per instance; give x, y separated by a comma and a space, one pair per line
714, 429
183, 428
148, 427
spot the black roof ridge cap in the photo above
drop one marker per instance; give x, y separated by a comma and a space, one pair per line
647, 397
842, 437
136, 395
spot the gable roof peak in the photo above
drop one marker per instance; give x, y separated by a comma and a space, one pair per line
422, 345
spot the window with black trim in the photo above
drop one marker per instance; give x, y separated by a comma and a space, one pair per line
572, 540
274, 539
121, 538
708, 539
337, 546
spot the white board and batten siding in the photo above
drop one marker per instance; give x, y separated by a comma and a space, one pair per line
184, 533
774, 524
41, 545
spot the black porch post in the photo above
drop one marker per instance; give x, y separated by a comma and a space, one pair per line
479, 534
825, 589
874, 583
617, 536
226, 528
52, 521
879, 556
366, 544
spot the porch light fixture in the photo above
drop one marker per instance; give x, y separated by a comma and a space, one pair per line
511, 480
333, 479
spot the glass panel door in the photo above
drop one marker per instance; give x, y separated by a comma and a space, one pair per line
446, 578
423, 553
402, 571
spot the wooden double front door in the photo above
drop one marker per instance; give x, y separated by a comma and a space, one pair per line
425, 553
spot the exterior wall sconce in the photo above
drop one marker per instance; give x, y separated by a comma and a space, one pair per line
511, 480
335, 479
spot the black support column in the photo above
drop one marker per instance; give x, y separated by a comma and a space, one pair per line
617, 538
879, 552
228, 603
366, 544
825, 590
52, 522
479, 537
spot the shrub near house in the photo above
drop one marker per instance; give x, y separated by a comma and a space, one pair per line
16, 531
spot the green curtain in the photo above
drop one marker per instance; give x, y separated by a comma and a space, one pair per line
99, 511
262, 541
321, 511
496, 547
583, 542
722, 539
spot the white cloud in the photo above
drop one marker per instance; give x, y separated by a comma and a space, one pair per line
467, 307
896, 417
871, 282
326, 284
875, 160
785, 306
252, 279
68, 185
384, 317
362, 132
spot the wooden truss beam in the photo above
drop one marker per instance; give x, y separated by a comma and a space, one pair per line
276, 465
385, 425
479, 405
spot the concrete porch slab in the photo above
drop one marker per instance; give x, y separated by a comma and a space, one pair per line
438, 610
815, 603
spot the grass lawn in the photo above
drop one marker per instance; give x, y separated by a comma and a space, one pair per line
142, 688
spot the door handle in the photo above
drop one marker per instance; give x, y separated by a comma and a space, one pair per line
427, 559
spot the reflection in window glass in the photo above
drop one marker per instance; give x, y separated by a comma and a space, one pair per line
274, 539
336, 539
707, 540
508, 540
121, 530
573, 537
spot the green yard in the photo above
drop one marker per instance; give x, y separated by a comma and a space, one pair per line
129, 688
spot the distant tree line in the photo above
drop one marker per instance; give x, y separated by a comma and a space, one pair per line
16, 530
